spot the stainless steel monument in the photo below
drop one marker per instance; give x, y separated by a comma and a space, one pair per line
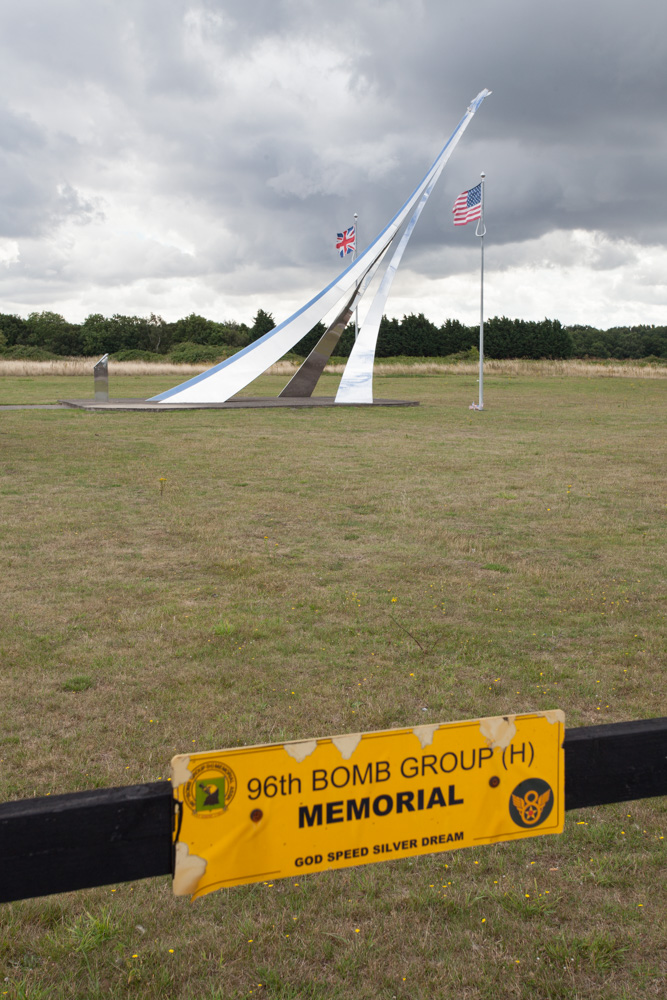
224, 380
101, 380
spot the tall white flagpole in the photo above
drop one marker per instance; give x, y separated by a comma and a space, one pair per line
481, 231
356, 244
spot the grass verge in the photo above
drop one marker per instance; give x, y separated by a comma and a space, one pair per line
207, 579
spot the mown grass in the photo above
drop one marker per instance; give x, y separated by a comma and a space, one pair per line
262, 592
71, 378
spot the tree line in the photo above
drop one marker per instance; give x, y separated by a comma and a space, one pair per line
196, 339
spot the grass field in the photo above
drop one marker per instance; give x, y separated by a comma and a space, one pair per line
71, 378
206, 579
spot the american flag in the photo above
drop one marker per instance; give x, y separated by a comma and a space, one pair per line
468, 206
346, 241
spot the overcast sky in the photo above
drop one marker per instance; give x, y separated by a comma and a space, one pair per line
177, 156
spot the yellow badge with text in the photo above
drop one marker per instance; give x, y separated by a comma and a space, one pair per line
259, 813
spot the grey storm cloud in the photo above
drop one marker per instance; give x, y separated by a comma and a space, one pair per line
257, 129
36, 197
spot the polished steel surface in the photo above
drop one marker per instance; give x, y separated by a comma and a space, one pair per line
230, 376
101, 376
305, 379
356, 385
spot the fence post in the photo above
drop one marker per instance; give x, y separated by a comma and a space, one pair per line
83, 839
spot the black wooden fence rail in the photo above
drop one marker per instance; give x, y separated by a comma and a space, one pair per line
84, 839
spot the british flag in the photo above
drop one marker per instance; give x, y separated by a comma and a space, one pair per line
346, 241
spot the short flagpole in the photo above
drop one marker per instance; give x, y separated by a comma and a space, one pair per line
480, 231
356, 244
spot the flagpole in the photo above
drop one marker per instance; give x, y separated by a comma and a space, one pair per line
480, 231
356, 244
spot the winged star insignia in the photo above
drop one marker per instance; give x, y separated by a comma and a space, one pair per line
531, 806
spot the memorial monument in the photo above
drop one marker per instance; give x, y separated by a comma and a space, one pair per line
219, 385
224, 380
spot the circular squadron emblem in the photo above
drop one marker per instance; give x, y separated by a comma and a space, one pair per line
531, 802
210, 789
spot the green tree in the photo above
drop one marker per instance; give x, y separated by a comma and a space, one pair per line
346, 342
419, 337
546, 339
13, 328
455, 337
51, 331
582, 339
195, 329
654, 341
97, 337
156, 329
500, 339
232, 334
136, 333
190, 353
389, 338
262, 323
306, 344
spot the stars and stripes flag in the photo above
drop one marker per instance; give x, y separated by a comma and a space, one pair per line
346, 241
468, 206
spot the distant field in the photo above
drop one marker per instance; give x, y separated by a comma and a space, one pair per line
264, 594
48, 381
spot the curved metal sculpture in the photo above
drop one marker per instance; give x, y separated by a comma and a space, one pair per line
305, 379
224, 380
356, 385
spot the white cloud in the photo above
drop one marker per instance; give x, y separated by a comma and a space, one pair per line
558, 275
9, 252
173, 155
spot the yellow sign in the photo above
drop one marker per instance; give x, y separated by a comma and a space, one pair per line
259, 813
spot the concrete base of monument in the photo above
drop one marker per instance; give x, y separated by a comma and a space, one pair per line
236, 403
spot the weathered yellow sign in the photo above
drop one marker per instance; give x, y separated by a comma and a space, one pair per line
259, 813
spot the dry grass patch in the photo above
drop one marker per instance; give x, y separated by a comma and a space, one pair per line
429, 366
84, 366
259, 593
519, 368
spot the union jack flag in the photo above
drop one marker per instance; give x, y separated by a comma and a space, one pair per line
346, 241
468, 206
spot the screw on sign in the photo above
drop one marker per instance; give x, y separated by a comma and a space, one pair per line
252, 813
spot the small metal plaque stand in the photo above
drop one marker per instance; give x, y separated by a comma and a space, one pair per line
101, 373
